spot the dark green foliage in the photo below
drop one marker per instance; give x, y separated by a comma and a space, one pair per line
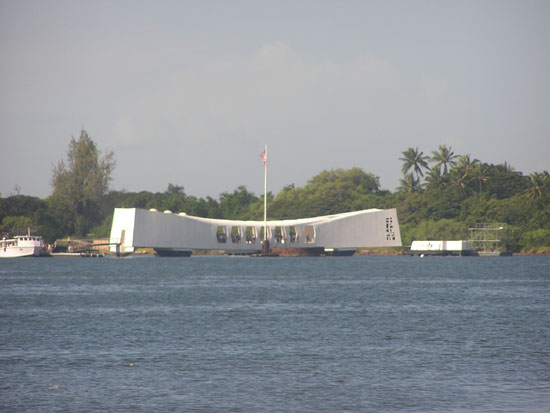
532, 240
458, 193
328, 192
443, 229
81, 184
20, 213
288, 204
503, 182
20, 205
409, 184
50, 226
236, 205
14, 225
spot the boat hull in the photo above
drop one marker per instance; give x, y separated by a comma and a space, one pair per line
167, 252
18, 252
299, 252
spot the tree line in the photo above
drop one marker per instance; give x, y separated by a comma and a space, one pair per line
440, 197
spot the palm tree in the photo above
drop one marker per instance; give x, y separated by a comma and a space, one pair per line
537, 182
434, 178
462, 171
465, 164
480, 174
415, 160
409, 183
444, 156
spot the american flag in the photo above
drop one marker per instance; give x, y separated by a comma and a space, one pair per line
264, 158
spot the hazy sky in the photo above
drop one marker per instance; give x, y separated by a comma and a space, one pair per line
188, 92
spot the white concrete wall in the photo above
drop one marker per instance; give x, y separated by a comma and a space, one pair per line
368, 229
153, 229
459, 246
122, 230
441, 246
427, 246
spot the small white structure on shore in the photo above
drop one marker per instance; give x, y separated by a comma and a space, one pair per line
178, 234
442, 248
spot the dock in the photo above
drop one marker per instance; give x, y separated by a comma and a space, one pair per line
82, 254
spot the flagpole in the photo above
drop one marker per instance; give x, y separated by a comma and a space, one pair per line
265, 194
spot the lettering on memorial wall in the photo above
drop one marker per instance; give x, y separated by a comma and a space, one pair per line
390, 234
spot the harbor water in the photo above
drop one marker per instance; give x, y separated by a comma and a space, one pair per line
239, 334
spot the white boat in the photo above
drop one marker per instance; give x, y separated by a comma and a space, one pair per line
22, 246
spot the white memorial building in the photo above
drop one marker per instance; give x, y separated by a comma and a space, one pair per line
172, 234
